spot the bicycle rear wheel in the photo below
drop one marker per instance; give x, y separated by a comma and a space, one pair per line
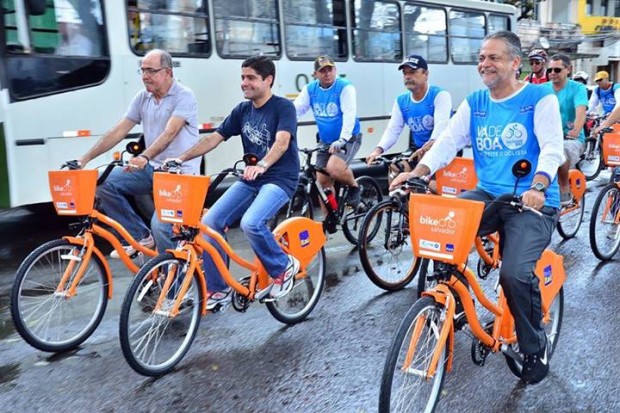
153, 341
591, 163
44, 313
604, 229
405, 386
570, 219
385, 247
299, 303
371, 196
552, 330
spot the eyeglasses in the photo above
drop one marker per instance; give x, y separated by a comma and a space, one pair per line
555, 69
599, 80
149, 71
536, 62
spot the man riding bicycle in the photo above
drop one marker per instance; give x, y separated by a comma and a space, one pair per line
333, 103
508, 122
267, 125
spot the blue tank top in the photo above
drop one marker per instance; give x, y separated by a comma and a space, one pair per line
607, 98
419, 116
503, 133
325, 104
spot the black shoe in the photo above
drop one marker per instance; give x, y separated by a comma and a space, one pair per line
535, 366
354, 197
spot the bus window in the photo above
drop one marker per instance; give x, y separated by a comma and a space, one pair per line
376, 31
497, 23
315, 27
60, 49
426, 32
467, 29
246, 28
180, 27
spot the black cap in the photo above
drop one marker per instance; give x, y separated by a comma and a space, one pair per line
414, 61
323, 61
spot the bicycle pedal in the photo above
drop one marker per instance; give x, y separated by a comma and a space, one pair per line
219, 308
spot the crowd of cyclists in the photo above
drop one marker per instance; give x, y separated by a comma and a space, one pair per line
540, 118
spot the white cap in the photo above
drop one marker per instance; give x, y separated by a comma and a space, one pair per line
580, 75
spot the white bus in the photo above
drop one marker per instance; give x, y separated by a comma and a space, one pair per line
68, 68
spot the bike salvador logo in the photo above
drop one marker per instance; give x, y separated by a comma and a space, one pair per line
67, 187
173, 196
445, 225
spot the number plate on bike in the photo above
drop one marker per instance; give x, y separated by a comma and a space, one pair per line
457, 177
73, 192
443, 228
611, 149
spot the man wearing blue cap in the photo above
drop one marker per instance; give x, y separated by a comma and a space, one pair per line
425, 109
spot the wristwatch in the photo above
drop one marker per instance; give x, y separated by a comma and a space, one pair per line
263, 164
539, 186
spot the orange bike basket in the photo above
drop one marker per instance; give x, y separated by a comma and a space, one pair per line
73, 192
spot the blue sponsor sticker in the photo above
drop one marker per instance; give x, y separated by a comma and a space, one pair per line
304, 238
548, 274
450, 247
71, 205
179, 213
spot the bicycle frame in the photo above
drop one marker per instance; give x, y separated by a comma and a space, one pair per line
577, 181
301, 247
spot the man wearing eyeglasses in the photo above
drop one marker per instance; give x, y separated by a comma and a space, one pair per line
573, 98
538, 62
167, 111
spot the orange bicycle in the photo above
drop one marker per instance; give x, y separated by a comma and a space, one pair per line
62, 288
161, 311
422, 350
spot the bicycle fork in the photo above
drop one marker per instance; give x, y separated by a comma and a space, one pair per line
78, 261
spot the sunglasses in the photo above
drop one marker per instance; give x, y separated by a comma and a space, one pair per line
555, 69
600, 80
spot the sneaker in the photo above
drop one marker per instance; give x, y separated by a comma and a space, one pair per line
566, 199
282, 284
219, 299
354, 196
147, 242
613, 232
535, 366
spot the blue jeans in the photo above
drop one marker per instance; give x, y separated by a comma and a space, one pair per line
113, 194
255, 206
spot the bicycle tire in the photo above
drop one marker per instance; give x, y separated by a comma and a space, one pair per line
592, 163
395, 395
603, 246
45, 318
552, 329
299, 303
426, 280
566, 230
143, 332
385, 248
371, 196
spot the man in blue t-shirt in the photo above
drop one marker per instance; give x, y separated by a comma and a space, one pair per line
333, 103
573, 99
425, 109
267, 125
508, 122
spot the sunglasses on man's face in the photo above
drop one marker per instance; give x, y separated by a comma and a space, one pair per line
555, 69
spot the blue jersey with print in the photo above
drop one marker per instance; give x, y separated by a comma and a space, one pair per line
502, 134
607, 98
325, 104
258, 127
419, 116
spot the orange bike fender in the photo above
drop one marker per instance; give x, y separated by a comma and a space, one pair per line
301, 237
551, 275
577, 183
104, 261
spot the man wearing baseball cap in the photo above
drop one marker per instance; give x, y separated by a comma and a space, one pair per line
333, 103
538, 62
607, 95
425, 109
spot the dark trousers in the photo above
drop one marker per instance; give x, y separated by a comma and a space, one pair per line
523, 238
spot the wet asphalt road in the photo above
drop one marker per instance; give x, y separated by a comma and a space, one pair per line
330, 363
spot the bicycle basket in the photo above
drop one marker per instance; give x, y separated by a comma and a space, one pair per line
73, 192
179, 199
611, 149
457, 177
443, 228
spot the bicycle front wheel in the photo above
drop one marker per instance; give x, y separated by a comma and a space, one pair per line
46, 313
385, 247
371, 196
299, 303
604, 228
570, 218
153, 341
407, 385
591, 163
